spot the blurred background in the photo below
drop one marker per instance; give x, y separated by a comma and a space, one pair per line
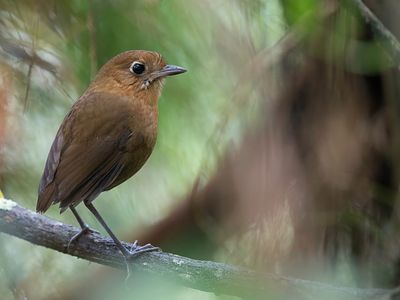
278, 149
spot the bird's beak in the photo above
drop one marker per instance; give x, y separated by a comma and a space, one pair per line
168, 70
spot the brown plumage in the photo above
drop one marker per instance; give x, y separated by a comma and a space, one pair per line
108, 134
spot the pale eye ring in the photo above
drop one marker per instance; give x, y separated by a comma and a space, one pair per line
137, 67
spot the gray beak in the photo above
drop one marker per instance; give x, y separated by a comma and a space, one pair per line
168, 70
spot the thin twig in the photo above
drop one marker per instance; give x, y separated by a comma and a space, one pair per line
28, 86
392, 45
92, 41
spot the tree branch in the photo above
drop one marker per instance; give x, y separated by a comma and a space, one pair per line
202, 275
392, 45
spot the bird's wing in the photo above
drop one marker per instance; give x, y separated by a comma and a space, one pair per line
85, 157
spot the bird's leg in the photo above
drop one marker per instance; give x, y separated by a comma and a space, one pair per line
83, 225
84, 228
136, 249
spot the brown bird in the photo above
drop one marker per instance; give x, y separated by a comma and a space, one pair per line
106, 137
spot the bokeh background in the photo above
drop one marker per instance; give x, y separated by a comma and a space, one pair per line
278, 149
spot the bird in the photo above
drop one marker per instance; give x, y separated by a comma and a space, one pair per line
106, 137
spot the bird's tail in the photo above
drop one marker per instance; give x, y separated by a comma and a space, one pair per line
45, 198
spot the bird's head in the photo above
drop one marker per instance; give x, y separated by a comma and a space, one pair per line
137, 72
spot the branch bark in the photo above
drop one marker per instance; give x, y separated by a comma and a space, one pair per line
202, 275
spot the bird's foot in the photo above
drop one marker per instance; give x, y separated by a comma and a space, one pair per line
84, 231
133, 252
136, 250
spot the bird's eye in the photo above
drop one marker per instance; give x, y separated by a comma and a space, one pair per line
137, 67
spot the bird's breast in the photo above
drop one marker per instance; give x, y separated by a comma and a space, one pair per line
143, 124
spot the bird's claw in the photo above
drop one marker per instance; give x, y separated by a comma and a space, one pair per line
135, 250
84, 231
